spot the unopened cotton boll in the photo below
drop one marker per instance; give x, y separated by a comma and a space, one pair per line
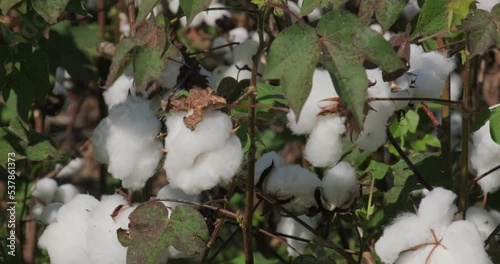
484, 221
102, 241
118, 92
44, 189
324, 147
322, 88
265, 162
49, 214
296, 186
70, 169
485, 155
288, 226
340, 186
66, 193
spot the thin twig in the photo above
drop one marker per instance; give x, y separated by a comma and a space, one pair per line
479, 177
492, 235
212, 49
201, 205
219, 250
431, 115
131, 17
433, 100
408, 162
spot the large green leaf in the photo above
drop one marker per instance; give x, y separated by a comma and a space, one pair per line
151, 231
193, 7
386, 11
483, 29
18, 94
495, 124
50, 9
292, 59
432, 18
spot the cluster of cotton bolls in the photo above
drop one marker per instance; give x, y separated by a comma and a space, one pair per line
201, 159
484, 156
430, 236
50, 198
126, 140
296, 187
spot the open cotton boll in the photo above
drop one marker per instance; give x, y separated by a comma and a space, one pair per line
210, 17
173, 193
340, 185
70, 169
485, 155
268, 159
484, 221
44, 189
131, 144
102, 242
404, 91
49, 214
239, 34
289, 226
66, 193
322, 88
37, 210
295, 185
99, 141
168, 79
437, 208
66, 239
119, 90
237, 74
324, 147
486, 5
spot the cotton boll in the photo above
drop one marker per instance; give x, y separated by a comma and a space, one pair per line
314, 15
404, 91
44, 189
324, 147
173, 6
242, 54
99, 141
217, 76
456, 85
484, 221
131, 145
268, 159
437, 209
102, 241
219, 42
173, 193
37, 211
288, 226
49, 214
322, 88
340, 186
486, 5
484, 155
239, 34
119, 90
238, 75
213, 15
70, 169
65, 193
295, 184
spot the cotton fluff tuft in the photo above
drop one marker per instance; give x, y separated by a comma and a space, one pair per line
70, 169
288, 226
44, 189
322, 88
268, 159
129, 138
119, 90
200, 159
324, 147
483, 219
168, 192
295, 185
484, 155
460, 241
65, 193
340, 186
49, 214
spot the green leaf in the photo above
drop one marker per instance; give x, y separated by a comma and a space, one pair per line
457, 10
148, 65
406, 125
151, 232
366, 10
309, 6
292, 59
193, 7
78, 7
18, 94
6, 5
50, 9
8, 144
42, 150
386, 11
495, 124
483, 29
230, 89
37, 70
377, 50
432, 18
121, 59
377, 169
269, 94
349, 78
144, 9
427, 140
19, 128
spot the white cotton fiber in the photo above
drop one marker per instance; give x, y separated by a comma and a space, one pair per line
437, 208
173, 6
129, 135
486, 5
456, 86
168, 79
340, 185
102, 241
296, 184
219, 42
239, 34
484, 221
120, 89
268, 159
217, 75
411, 10
322, 88
70, 169
200, 159
288, 226
324, 147
49, 214
485, 155
37, 211
237, 74
173, 193
242, 54
211, 16
44, 189
66, 193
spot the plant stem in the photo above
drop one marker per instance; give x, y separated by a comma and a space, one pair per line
131, 17
444, 132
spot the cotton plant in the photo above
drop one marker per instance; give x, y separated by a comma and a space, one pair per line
431, 236
127, 141
202, 158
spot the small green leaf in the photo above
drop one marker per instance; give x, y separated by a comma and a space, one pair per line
50, 9
495, 124
78, 7
230, 89
144, 9
121, 59
292, 59
388, 11
483, 29
457, 10
18, 94
432, 18
42, 150
37, 70
309, 6
377, 169
268, 94
377, 50
193, 7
